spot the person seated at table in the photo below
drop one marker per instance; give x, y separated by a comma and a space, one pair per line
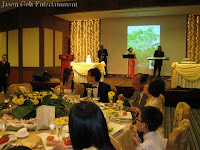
154, 88
149, 119
138, 99
68, 86
88, 129
100, 89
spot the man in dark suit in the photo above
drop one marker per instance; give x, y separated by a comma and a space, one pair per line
102, 55
158, 62
138, 99
4, 73
100, 89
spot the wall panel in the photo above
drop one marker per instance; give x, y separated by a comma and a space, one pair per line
58, 47
3, 45
13, 48
48, 47
30, 47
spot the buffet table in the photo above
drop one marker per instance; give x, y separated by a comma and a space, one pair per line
81, 70
185, 75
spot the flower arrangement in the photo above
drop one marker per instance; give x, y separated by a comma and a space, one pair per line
109, 111
120, 102
59, 121
89, 89
111, 94
24, 104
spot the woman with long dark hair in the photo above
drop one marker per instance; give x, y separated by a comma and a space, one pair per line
88, 129
68, 86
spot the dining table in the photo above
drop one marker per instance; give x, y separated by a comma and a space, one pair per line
33, 140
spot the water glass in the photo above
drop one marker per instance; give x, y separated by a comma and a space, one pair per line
110, 99
89, 93
3, 126
52, 126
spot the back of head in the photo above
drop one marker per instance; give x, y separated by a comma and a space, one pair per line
152, 116
156, 86
95, 73
87, 127
19, 148
143, 77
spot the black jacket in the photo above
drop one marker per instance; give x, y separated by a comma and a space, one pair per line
104, 54
102, 91
157, 54
4, 69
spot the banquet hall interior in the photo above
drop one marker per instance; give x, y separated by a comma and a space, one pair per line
41, 39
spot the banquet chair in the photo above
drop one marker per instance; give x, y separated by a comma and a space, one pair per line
54, 80
178, 139
114, 89
115, 143
182, 111
2, 97
24, 87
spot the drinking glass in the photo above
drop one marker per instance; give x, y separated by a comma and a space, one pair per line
52, 126
89, 93
110, 99
3, 125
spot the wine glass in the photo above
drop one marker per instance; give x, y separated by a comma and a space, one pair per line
3, 125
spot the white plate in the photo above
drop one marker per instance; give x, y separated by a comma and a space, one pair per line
43, 137
117, 128
107, 107
85, 99
12, 138
22, 136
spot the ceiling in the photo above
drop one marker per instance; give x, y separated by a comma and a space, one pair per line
136, 12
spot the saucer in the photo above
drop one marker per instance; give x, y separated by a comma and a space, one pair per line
22, 136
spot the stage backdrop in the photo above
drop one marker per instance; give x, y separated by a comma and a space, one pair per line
172, 40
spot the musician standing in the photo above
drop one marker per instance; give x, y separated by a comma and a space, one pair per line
102, 55
158, 62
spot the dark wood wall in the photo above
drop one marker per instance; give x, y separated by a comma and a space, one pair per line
29, 18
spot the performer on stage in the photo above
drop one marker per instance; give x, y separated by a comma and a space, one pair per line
158, 62
4, 73
131, 63
102, 55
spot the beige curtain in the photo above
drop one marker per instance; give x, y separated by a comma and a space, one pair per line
85, 40
193, 35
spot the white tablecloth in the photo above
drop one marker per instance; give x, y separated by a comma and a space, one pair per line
81, 70
185, 75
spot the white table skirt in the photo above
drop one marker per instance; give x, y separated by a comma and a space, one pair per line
81, 70
185, 75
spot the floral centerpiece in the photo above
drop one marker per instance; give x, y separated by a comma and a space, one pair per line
110, 96
24, 104
59, 124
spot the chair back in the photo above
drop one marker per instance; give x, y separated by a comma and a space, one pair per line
23, 86
114, 89
115, 143
182, 111
178, 139
54, 80
2, 97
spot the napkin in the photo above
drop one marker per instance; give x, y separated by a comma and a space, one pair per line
22, 132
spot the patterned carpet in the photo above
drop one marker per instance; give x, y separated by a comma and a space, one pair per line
194, 134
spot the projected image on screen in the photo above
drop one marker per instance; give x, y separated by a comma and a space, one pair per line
144, 40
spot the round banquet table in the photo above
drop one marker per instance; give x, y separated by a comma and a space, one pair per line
33, 140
